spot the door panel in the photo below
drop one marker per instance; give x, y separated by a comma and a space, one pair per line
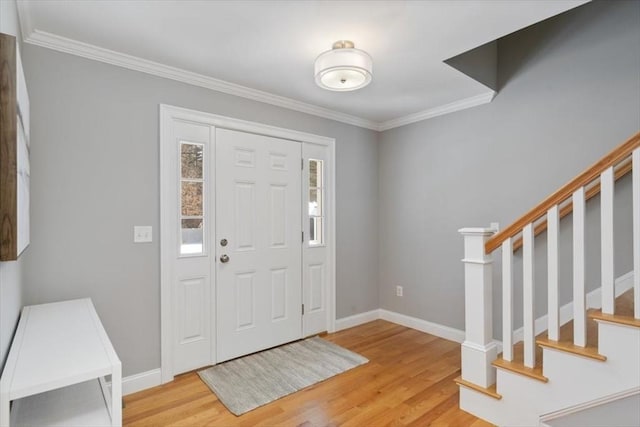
245, 300
279, 294
258, 199
278, 216
316, 286
190, 298
245, 215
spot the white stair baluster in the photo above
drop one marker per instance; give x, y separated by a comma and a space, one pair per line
507, 300
636, 232
528, 297
579, 301
606, 239
552, 273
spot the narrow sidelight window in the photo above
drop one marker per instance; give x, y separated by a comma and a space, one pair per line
316, 202
192, 190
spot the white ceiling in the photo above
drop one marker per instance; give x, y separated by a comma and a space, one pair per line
270, 46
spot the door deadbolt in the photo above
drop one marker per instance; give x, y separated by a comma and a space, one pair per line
224, 258
223, 242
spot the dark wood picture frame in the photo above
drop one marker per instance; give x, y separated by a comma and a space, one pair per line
14, 152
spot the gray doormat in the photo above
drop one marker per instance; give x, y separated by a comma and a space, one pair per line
255, 380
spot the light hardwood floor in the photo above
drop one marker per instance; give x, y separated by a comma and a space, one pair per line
408, 381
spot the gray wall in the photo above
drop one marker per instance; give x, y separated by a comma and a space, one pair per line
11, 288
569, 92
95, 174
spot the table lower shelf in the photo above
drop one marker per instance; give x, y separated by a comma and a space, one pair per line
81, 405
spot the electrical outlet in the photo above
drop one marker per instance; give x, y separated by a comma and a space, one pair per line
142, 234
399, 291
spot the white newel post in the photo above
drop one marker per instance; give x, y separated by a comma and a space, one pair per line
478, 349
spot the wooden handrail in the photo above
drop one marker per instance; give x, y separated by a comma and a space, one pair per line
567, 209
613, 158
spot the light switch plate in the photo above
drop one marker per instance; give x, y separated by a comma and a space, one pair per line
142, 234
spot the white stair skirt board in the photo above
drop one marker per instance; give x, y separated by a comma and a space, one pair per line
618, 409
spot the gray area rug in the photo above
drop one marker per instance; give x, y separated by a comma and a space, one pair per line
255, 380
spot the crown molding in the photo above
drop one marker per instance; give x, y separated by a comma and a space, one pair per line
85, 50
462, 104
89, 51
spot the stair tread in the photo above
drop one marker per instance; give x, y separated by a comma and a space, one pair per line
624, 304
615, 318
518, 367
624, 315
569, 347
491, 391
566, 336
517, 364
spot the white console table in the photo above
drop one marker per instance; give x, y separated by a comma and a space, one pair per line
56, 367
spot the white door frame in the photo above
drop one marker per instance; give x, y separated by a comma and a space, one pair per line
168, 203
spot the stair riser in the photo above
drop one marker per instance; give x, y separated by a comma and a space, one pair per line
522, 407
526, 399
621, 344
584, 379
578, 379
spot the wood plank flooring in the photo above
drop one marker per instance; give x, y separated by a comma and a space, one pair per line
407, 382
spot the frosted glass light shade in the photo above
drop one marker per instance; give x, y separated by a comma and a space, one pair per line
343, 69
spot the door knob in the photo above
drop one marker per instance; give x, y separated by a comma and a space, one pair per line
223, 242
224, 258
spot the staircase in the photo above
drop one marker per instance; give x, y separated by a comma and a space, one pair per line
575, 354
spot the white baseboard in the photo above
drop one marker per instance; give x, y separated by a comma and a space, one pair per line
357, 319
436, 329
421, 325
141, 381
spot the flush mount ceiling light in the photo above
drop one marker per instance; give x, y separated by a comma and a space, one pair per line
343, 68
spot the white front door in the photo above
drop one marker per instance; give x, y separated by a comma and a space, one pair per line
258, 242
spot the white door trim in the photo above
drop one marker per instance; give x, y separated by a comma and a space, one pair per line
170, 113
